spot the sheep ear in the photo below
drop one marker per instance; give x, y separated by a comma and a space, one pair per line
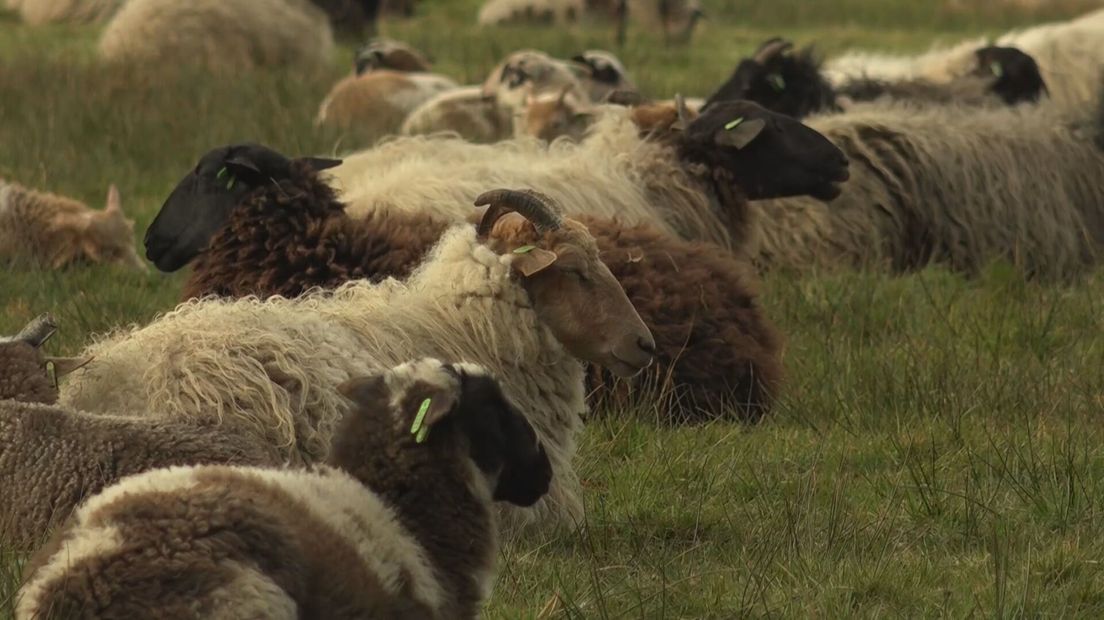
38, 331
114, 203
319, 164
437, 401
740, 134
66, 365
529, 260
367, 390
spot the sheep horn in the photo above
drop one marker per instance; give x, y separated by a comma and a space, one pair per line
770, 49
38, 331
683, 113
534, 206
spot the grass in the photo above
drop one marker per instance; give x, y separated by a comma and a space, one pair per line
938, 449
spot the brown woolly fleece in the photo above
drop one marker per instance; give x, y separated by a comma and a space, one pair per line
715, 346
51, 459
22, 375
287, 238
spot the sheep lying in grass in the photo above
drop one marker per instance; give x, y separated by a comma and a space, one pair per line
525, 295
605, 73
39, 12
54, 231
690, 184
220, 35
51, 458
792, 83
380, 54
1069, 55
395, 525
716, 352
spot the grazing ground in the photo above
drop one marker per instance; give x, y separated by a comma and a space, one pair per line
938, 451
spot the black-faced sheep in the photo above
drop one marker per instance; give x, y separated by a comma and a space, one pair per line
220, 35
716, 352
51, 458
54, 231
268, 368
395, 525
792, 83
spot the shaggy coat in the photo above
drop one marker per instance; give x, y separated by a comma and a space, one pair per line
54, 231
220, 35
390, 528
270, 367
717, 354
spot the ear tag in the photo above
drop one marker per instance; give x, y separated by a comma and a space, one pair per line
420, 432
223, 172
51, 371
776, 82
996, 69
733, 124
230, 184
525, 249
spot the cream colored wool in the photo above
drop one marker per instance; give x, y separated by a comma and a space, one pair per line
464, 112
271, 368
377, 102
1070, 56
1018, 183
221, 35
37, 12
613, 173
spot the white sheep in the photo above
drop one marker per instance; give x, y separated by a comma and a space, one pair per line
39, 12
54, 231
267, 369
465, 112
396, 525
221, 35
376, 103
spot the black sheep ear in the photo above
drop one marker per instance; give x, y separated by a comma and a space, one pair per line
740, 132
526, 471
319, 164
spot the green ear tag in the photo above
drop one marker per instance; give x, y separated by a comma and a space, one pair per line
730, 125
221, 173
525, 249
51, 371
420, 432
996, 68
230, 184
776, 82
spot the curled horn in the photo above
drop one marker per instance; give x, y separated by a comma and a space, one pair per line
771, 48
38, 331
534, 206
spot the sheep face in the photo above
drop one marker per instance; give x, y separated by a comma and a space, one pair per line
782, 82
104, 237
548, 118
1017, 74
526, 72
203, 201
605, 73
464, 413
384, 54
767, 155
23, 368
572, 291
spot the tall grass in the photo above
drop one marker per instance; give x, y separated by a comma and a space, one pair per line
938, 448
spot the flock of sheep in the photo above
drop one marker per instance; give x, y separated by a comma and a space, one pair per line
380, 362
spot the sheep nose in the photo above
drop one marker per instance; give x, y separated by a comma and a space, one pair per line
646, 345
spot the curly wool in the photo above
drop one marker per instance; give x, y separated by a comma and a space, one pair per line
286, 238
269, 369
23, 374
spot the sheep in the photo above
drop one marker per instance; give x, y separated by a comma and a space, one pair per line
268, 367
792, 84
52, 458
548, 117
465, 112
376, 103
677, 18
716, 352
220, 35
387, 54
605, 73
351, 18
950, 185
499, 12
690, 188
38, 12
394, 525
54, 231
1069, 56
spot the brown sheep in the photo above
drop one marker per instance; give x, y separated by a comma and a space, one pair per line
715, 347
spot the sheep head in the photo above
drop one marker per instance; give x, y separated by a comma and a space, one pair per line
386, 54
571, 289
780, 81
528, 72
105, 237
1016, 76
603, 73
440, 412
563, 114
25, 371
203, 201
767, 155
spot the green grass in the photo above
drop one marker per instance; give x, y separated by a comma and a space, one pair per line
938, 449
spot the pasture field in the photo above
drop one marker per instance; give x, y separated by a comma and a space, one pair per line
938, 451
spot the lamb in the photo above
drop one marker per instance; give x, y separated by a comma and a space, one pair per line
1069, 55
220, 35
387, 54
605, 73
52, 458
38, 12
465, 112
694, 188
717, 354
394, 525
267, 368
376, 103
792, 84
53, 231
